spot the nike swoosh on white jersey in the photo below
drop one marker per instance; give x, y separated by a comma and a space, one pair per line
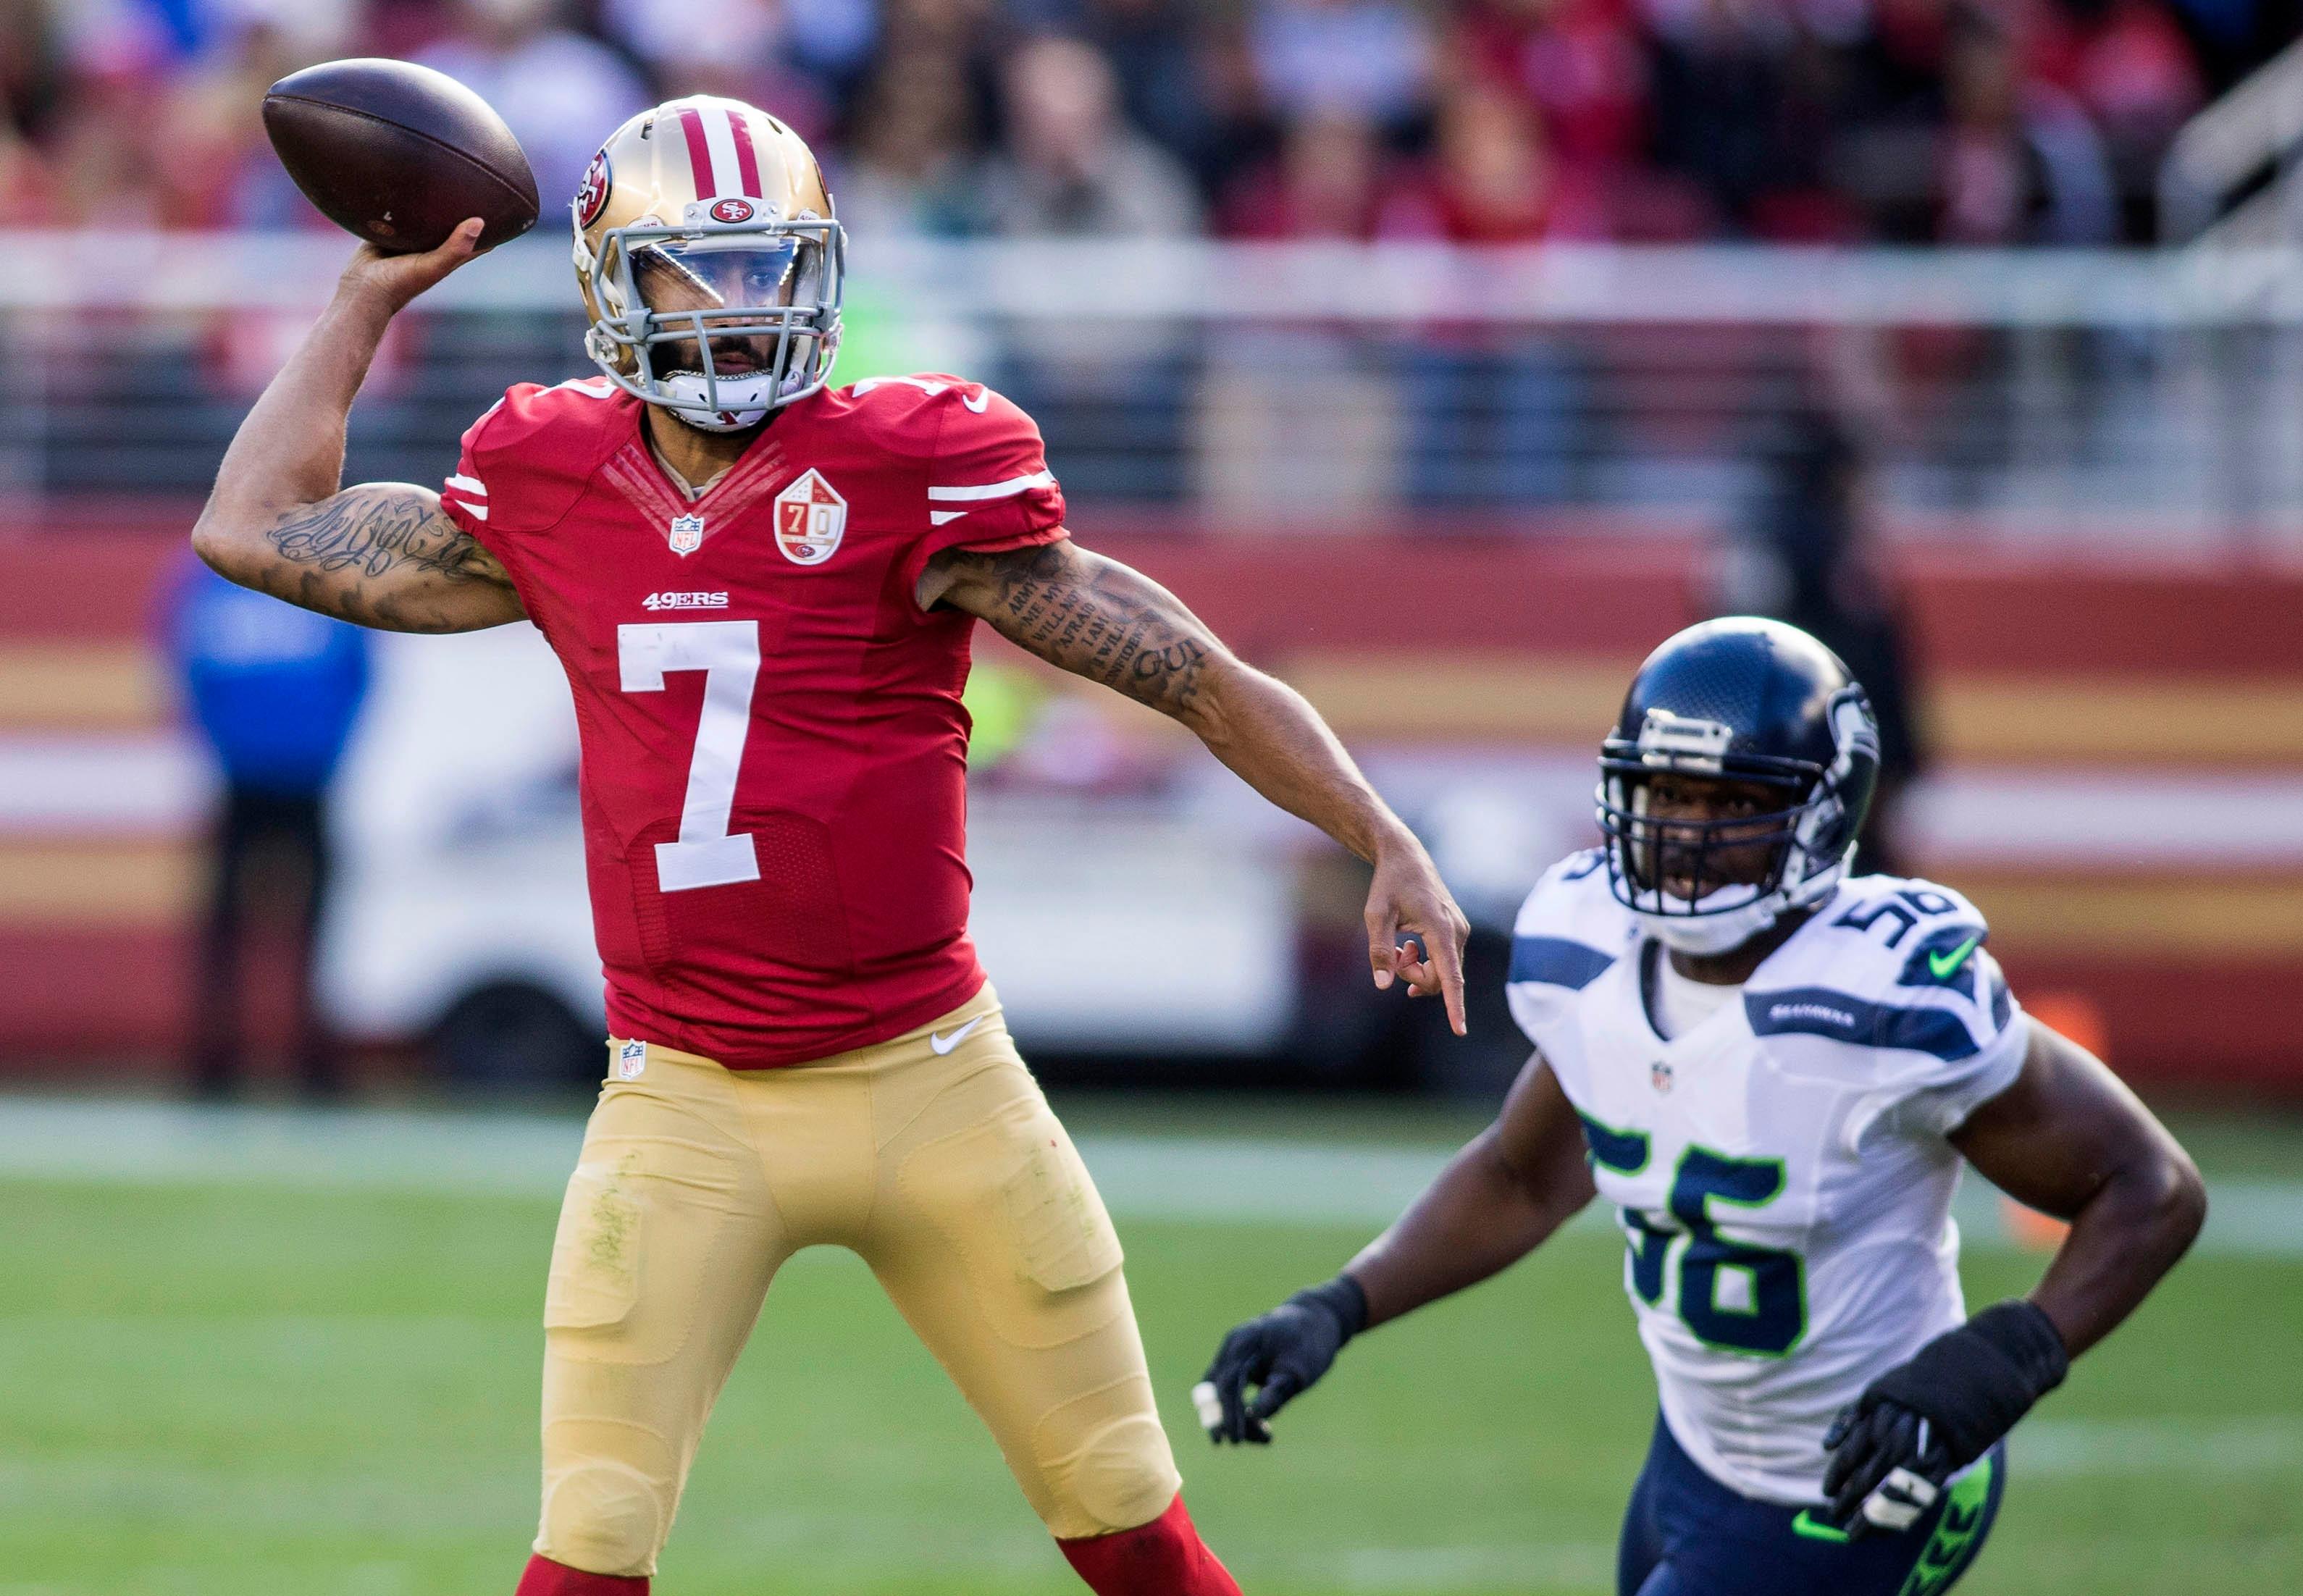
944, 1044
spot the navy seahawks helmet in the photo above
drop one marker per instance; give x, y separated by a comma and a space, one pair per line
1739, 700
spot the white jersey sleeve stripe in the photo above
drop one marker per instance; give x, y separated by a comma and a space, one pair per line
994, 490
478, 512
469, 486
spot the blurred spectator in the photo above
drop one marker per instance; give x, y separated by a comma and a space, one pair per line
1366, 58
1072, 165
1491, 414
908, 165
1838, 120
1576, 62
1721, 88
1808, 553
2127, 63
561, 91
274, 690
1156, 50
1325, 183
214, 167
2021, 163
743, 49
1492, 178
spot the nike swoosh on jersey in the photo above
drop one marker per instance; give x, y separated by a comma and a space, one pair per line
1940, 965
980, 402
944, 1044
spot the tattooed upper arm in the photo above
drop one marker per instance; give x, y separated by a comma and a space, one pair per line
384, 555
1094, 617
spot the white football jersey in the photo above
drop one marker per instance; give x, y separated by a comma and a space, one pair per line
1781, 1169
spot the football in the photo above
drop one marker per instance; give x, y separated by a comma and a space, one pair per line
400, 154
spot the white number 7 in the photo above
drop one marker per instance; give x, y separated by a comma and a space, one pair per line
728, 652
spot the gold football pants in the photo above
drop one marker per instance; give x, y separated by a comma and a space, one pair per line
946, 1172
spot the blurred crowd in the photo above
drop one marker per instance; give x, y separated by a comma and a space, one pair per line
2006, 121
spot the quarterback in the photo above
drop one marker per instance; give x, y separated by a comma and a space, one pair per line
762, 590
1773, 1072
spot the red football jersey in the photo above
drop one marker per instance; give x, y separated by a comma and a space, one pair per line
774, 754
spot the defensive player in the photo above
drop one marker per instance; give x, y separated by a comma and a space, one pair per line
762, 590
1772, 1074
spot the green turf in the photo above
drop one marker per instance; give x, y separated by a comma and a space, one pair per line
212, 1390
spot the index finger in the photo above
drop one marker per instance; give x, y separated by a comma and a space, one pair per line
1448, 955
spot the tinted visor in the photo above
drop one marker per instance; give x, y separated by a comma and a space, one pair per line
743, 291
726, 275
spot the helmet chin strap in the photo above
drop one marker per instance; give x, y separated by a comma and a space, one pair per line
1707, 932
744, 401
1704, 931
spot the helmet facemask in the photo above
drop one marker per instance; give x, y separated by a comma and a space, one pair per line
718, 322
1706, 886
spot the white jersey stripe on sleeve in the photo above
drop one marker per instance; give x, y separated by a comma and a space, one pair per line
994, 490
478, 512
471, 486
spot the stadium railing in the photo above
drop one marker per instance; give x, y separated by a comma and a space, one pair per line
2103, 400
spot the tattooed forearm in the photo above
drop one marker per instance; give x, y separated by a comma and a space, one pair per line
1098, 620
366, 535
383, 555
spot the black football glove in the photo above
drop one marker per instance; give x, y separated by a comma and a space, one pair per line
1915, 1426
1281, 1354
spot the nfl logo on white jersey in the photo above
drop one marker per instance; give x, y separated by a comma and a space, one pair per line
811, 517
687, 534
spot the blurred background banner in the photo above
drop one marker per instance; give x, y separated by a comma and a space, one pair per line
1445, 356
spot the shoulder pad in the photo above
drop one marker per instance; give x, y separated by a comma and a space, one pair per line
529, 411
909, 415
538, 445
1571, 928
1888, 963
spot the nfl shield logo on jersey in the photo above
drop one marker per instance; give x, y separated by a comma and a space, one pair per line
1659, 1076
687, 534
810, 520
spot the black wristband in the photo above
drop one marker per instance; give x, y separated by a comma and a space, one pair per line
1342, 1296
2024, 1334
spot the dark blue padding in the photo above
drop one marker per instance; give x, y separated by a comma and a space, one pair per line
1818, 1011
1555, 961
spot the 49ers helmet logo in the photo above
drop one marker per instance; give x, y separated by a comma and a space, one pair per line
810, 519
732, 209
591, 197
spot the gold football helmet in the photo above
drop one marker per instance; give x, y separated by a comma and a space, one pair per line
710, 260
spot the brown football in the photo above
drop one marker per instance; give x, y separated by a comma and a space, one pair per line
399, 153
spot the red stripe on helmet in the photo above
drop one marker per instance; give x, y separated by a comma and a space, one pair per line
699, 153
748, 163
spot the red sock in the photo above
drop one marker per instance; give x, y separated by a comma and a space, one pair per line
1164, 1558
544, 1578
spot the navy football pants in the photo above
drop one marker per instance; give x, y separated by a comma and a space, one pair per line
1686, 1534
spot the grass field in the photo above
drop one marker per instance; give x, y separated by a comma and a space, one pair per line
237, 1384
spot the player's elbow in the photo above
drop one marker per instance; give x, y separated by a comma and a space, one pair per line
2181, 1199
2165, 1201
214, 540
1212, 707
228, 536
